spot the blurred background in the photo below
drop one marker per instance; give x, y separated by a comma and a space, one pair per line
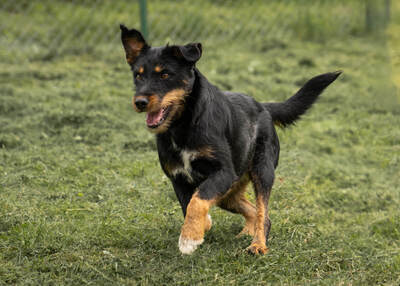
82, 196
47, 28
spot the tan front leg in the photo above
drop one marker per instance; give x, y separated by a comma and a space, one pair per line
195, 224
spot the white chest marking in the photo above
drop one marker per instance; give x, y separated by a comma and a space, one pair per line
186, 170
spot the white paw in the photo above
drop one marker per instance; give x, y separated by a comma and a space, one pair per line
187, 245
209, 218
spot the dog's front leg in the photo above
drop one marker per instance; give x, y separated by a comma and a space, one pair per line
197, 221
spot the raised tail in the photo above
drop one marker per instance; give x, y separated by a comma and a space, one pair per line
287, 112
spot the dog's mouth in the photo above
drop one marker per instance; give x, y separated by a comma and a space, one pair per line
155, 119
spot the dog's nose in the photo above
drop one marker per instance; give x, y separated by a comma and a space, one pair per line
141, 103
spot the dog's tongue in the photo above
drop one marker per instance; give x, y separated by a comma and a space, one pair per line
154, 118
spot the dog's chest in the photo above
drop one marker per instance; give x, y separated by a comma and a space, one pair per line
191, 164
184, 167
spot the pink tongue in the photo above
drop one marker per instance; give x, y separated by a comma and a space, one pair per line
154, 118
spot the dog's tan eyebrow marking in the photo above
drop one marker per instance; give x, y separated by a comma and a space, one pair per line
185, 81
141, 70
157, 68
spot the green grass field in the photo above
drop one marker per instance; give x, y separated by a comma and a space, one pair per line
84, 201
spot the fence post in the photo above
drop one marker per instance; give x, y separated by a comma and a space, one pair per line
143, 18
387, 11
369, 22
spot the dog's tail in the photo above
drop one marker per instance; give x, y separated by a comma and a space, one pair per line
287, 112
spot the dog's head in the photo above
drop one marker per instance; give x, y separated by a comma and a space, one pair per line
163, 77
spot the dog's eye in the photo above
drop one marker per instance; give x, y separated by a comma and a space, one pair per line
138, 76
164, 75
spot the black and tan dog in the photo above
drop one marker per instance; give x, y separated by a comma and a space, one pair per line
211, 143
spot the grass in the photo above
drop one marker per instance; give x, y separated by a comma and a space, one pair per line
393, 43
83, 199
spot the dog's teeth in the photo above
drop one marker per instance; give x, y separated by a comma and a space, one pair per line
188, 246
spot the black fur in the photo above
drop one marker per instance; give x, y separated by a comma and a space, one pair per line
285, 113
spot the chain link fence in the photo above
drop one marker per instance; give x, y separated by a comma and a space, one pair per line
45, 28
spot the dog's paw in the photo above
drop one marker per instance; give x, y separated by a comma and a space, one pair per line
208, 223
257, 248
187, 245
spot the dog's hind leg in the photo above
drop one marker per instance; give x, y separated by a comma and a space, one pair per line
262, 175
262, 186
236, 202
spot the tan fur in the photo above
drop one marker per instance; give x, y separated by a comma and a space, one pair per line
175, 96
133, 47
196, 221
206, 151
176, 99
260, 219
141, 70
158, 69
236, 201
258, 245
257, 248
153, 105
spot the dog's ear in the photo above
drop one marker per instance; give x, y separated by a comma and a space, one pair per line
134, 43
190, 52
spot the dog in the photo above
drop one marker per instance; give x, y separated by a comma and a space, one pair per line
211, 143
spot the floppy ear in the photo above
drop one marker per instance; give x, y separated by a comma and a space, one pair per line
133, 42
190, 52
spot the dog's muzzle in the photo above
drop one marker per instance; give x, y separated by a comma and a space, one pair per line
141, 103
